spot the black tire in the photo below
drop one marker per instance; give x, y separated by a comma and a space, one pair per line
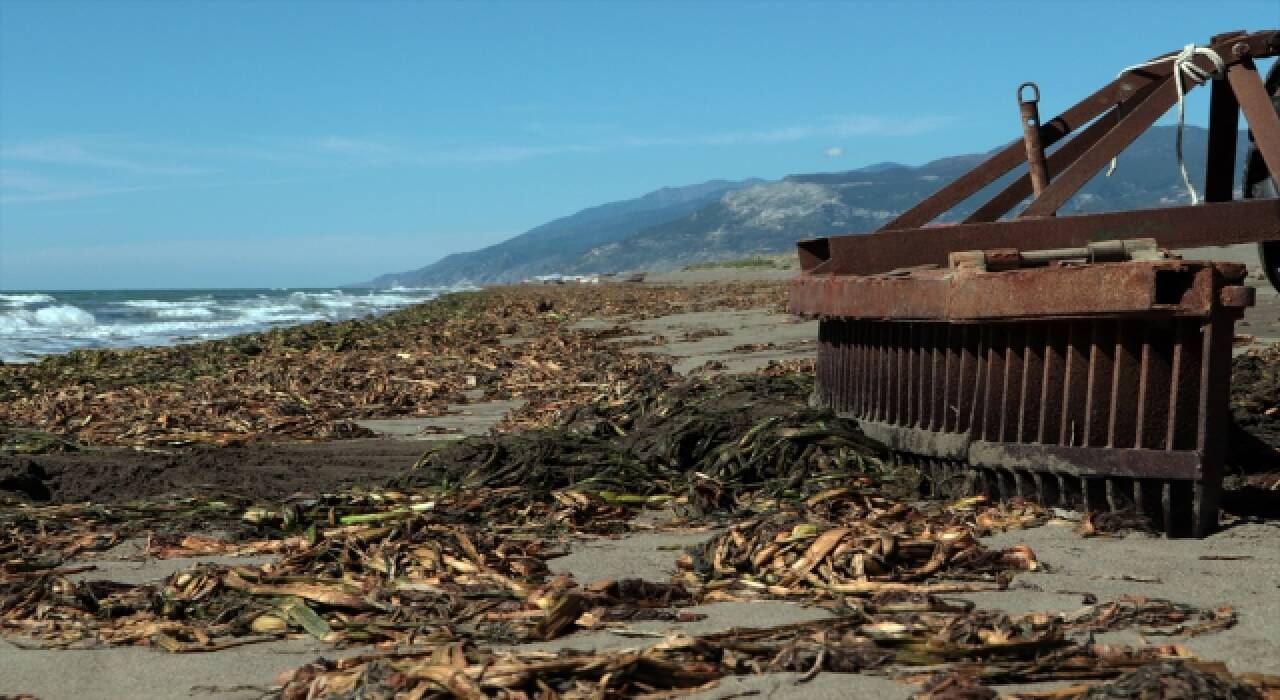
1258, 183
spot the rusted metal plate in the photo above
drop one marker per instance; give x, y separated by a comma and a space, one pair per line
1087, 461
1221, 223
1171, 288
1102, 384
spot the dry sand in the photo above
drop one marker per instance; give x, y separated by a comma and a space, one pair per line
1167, 569
1171, 569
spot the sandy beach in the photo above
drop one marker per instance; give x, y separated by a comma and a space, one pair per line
719, 328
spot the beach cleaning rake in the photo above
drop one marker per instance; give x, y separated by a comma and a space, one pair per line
1069, 360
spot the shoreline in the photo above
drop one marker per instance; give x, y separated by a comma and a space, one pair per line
421, 373
55, 322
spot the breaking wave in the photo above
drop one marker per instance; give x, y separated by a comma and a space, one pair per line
35, 324
50, 317
25, 299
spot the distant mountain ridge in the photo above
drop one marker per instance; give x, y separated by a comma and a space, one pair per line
557, 245
720, 220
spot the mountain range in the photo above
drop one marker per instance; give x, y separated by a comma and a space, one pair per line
720, 219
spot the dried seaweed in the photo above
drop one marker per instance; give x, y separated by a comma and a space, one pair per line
312, 381
891, 631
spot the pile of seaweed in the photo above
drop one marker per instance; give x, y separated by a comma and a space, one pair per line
712, 439
1254, 447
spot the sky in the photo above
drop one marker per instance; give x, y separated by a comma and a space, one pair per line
279, 143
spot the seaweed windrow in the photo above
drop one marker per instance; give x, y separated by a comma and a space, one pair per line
715, 439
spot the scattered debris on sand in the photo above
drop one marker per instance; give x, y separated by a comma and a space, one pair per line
430, 575
312, 381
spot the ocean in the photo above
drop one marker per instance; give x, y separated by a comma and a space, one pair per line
38, 323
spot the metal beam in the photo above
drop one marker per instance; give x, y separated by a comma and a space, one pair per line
1059, 160
1231, 47
1220, 157
1015, 154
1126, 131
1258, 110
1174, 227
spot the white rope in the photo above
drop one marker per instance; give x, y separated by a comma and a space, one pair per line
1184, 66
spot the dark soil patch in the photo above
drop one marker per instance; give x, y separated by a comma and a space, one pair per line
258, 471
1255, 401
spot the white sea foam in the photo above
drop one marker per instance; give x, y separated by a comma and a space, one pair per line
191, 308
54, 318
36, 324
25, 299
152, 304
185, 312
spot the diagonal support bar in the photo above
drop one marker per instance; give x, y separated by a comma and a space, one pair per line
1234, 47
1059, 160
1126, 131
1258, 111
1013, 155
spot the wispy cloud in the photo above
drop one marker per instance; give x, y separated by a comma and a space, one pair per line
72, 154
834, 127
354, 147
67, 169
276, 260
18, 187
844, 126
508, 154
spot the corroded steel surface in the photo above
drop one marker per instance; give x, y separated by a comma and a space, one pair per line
1167, 288
1114, 115
1033, 383
1100, 385
1173, 227
1014, 353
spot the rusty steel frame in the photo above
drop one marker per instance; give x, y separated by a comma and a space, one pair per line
1091, 385
1097, 385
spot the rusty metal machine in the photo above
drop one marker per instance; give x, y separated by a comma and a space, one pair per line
1066, 359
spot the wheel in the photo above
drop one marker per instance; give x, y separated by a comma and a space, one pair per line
1258, 183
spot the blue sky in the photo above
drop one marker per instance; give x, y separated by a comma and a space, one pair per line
197, 144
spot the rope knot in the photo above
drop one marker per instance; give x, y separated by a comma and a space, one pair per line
1184, 66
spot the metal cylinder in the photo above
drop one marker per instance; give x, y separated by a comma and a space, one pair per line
1029, 108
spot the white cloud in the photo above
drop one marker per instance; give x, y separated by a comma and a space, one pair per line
75, 168
507, 154
841, 126
70, 153
286, 260
18, 187
354, 147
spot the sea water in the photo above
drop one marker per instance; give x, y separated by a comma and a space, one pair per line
37, 323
